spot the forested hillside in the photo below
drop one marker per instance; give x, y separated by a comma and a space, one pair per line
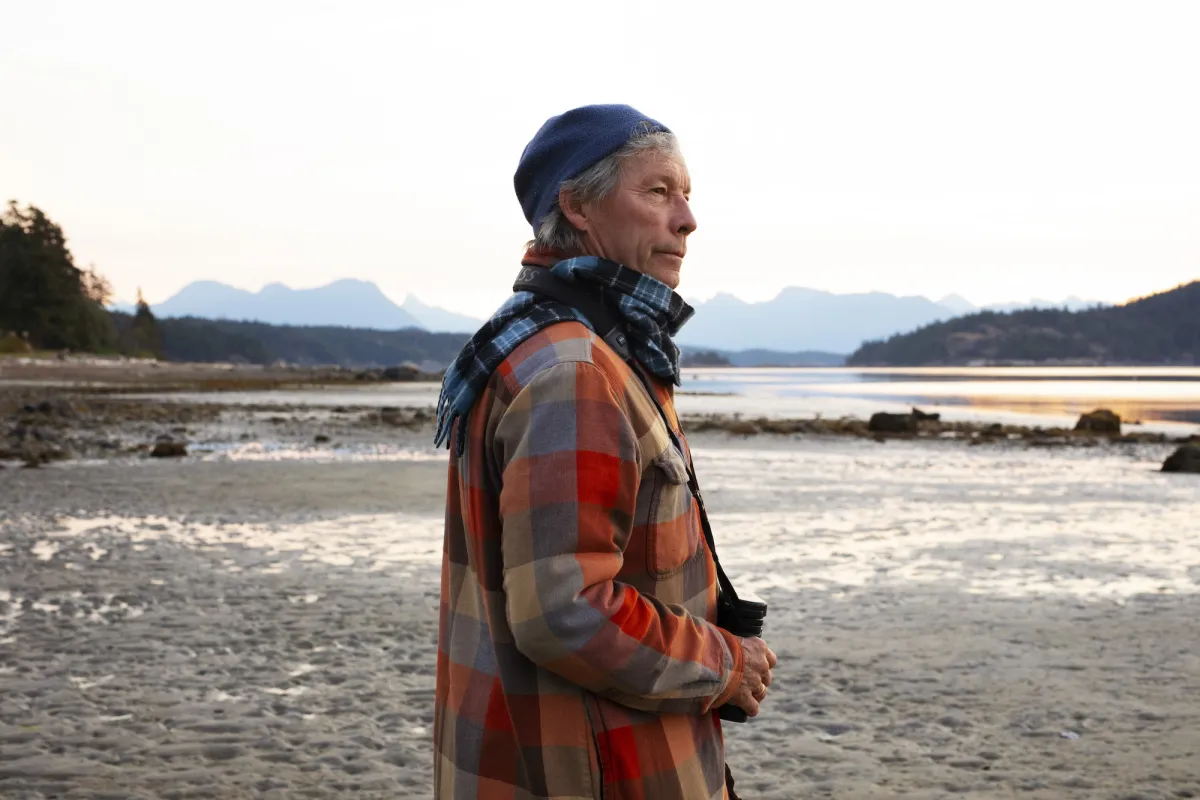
1160, 329
191, 339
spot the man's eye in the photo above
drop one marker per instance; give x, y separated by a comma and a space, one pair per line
659, 190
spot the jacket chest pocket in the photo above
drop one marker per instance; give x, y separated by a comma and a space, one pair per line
672, 532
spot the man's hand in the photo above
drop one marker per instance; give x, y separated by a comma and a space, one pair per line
758, 662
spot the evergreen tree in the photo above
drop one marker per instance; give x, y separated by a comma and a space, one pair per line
43, 295
147, 339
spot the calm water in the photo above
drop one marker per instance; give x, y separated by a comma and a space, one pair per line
829, 515
1149, 394
1166, 398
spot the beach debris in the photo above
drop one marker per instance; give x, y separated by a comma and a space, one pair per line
168, 447
321, 438
403, 373
1072, 735
1185, 459
883, 422
742, 427
398, 417
33, 445
51, 407
35, 454
1099, 421
921, 416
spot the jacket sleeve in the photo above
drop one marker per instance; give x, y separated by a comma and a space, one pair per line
568, 458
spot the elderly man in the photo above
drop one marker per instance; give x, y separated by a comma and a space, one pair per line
578, 655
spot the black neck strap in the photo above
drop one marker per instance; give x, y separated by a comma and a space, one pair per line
610, 327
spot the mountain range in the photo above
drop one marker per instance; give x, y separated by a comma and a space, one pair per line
809, 319
352, 303
797, 319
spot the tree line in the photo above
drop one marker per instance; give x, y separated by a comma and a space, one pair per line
194, 339
48, 303
1163, 328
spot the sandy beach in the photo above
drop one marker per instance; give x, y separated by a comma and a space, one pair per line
259, 618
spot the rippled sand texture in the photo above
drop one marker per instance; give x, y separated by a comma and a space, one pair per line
950, 621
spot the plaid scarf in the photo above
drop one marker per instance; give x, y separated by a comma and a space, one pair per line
652, 312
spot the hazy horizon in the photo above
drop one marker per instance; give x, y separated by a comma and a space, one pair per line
124, 302
999, 153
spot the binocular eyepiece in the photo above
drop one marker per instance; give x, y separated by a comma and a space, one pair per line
743, 617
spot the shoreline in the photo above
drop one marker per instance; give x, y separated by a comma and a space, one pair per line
78, 416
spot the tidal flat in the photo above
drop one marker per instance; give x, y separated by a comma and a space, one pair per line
258, 618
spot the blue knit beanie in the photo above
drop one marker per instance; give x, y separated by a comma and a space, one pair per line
567, 145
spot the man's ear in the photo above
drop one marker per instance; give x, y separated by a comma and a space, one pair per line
572, 210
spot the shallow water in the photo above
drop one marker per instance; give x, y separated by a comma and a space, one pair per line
1166, 399
814, 514
1091, 524
1158, 394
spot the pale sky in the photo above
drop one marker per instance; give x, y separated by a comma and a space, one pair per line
998, 150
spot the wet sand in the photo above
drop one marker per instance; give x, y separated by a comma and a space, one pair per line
951, 621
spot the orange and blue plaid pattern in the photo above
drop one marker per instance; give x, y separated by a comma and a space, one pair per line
577, 656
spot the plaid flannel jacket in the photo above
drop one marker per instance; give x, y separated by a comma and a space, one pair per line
577, 656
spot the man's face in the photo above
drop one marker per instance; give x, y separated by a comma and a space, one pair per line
644, 223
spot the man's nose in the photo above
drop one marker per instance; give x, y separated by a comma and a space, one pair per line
685, 221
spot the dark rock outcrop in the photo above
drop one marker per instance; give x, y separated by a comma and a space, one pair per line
921, 416
168, 447
1099, 421
1185, 459
884, 422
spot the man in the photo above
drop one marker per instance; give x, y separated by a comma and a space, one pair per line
577, 652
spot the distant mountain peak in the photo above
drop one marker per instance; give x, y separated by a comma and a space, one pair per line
411, 301
355, 283
438, 319
802, 319
346, 302
725, 299
958, 304
794, 292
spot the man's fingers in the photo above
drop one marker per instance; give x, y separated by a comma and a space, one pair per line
771, 659
766, 678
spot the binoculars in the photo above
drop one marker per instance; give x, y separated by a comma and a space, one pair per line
741, 616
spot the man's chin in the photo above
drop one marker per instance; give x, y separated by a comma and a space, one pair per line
666, 269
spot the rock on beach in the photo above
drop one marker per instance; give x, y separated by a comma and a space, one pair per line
168, 447
1185, 459
884, 422
1100, 421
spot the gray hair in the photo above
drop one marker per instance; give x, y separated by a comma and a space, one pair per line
594, 184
